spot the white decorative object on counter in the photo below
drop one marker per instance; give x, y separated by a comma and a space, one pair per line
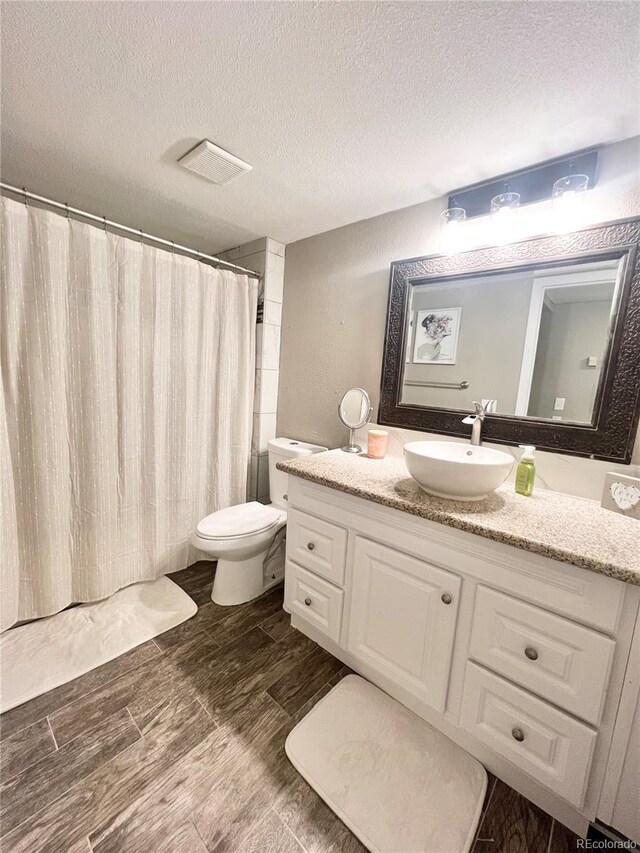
622, 494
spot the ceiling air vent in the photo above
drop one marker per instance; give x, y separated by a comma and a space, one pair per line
214, 164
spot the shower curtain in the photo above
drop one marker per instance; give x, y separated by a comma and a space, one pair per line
127, 388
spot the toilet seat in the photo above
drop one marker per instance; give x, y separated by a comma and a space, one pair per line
237, 522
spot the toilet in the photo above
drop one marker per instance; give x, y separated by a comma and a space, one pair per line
241, 537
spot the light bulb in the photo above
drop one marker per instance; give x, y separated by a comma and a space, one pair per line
568, 200
504, 220
450, 231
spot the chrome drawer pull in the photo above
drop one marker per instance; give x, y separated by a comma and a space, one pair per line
310, 546
518, 735
532, 654
446, 598
307, 601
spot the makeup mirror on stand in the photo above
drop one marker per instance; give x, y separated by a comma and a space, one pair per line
354, 411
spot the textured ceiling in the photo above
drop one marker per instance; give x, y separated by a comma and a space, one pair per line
345, 110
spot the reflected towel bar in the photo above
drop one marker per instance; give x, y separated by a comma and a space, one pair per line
458, 386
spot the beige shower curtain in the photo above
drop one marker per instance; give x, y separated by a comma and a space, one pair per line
127, 379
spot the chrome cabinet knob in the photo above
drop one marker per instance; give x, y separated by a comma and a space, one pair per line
531, 653
518, 734
310, 546
446, 598
307, 601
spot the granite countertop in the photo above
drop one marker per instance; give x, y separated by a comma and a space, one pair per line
573, 530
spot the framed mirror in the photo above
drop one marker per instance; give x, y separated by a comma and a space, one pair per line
545, 333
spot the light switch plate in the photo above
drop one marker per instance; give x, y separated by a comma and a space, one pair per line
621, 494
558, 406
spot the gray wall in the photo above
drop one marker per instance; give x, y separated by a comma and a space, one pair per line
334, 314
335, 299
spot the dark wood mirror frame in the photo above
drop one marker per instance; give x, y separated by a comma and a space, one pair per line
612, 432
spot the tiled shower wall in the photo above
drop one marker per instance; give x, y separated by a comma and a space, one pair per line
264, 256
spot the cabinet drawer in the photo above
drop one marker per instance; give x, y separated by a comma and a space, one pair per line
547, 744
317, 545
563, 662
315, 600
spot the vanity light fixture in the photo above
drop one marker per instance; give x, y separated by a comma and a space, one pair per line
533, 184
450, 236
568, 199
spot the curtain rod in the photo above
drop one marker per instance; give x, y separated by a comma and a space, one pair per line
138, 233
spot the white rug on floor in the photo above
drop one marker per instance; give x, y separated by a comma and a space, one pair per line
398, 784
44, 654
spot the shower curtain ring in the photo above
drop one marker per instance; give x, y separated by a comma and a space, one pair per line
26, 200
104, 220
141, 233
66, 204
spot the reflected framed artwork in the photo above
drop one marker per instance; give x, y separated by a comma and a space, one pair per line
436, 336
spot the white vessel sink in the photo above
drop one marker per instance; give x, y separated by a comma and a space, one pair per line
460, 472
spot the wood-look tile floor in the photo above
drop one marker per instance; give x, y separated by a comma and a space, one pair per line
178, 747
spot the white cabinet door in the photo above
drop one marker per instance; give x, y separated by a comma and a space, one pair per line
626, 815
620, 801
402, 619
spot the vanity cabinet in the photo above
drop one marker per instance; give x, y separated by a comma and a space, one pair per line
518, 658
402, 618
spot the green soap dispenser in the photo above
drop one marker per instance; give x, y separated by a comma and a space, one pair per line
526, 473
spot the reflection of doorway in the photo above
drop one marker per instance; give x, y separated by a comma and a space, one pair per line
567, 333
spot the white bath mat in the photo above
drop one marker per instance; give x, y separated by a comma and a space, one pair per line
398, 784
44, 654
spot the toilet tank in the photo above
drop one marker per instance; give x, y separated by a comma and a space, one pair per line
279, 450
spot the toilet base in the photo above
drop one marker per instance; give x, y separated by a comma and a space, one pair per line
238, 581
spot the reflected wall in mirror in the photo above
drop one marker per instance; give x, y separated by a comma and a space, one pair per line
526, 342
568, 332
545, 333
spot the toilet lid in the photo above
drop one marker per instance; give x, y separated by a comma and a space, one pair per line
240, 520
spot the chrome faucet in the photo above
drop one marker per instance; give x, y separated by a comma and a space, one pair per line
476, 422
